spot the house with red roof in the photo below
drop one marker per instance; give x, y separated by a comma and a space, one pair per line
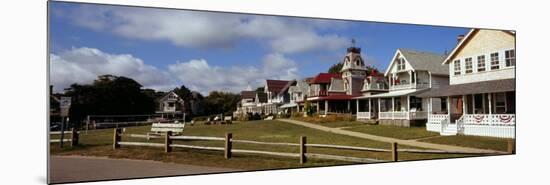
334, 93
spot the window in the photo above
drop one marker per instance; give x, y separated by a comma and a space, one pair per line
416, 103
400, 64
468, 64
443, 104
494, 61
500, 103
510, 57
480, 63
457, 67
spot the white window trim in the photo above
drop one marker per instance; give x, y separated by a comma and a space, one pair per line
459, 67
466, 65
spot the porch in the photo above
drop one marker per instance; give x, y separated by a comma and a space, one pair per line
486, 114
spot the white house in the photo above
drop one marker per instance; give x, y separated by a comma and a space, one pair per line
481, 97
409, 73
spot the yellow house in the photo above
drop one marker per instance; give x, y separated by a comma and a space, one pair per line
480, 99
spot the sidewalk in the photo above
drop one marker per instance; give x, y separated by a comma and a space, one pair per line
65, 169
389, 139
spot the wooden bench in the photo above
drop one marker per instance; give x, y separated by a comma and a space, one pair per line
159, 129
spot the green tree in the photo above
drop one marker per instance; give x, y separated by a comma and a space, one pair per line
335, 69
108, 95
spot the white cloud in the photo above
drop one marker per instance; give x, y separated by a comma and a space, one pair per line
209, 29
199, 75
83, 65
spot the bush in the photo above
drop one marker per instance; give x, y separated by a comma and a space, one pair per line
328, 118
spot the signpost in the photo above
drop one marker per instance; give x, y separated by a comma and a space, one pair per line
64, 105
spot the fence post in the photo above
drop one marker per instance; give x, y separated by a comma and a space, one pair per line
116, 138
74, 137
511, 146
228, 145
168, 142
303, 149
394, 153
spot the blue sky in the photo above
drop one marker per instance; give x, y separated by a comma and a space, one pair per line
207, 51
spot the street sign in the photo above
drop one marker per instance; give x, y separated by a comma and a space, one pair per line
64, 105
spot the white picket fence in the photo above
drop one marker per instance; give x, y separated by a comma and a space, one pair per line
494, 125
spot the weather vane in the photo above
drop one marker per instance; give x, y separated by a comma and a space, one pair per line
353, 42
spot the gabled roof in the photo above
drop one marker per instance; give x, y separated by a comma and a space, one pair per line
248, 94
324, 78
276, 86
168, 94
288, 85
421, 60
465, 40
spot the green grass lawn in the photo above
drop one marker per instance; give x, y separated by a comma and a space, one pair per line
491, 143
99, 143
394, 131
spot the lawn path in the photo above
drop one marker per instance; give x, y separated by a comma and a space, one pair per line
388, 139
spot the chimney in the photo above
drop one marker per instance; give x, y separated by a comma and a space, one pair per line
51, 90
459, 38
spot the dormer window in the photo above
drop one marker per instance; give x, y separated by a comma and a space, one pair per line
457, 67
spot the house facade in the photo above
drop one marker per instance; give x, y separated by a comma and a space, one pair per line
481, 97
334, 93
410, 73
252, 102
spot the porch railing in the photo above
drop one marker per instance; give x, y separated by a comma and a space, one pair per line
364, 115
409, 86
316, 93
403, 115
489, 119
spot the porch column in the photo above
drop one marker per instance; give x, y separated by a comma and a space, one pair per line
326, 107
429, 108
464, 105
449, 107
318, 107
379, 110
490, 104
370, 105
392, 106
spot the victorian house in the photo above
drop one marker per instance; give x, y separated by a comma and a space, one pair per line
410, 73
333, 93
481, 97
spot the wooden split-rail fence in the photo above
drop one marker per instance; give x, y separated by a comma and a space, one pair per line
73, 140
303, 145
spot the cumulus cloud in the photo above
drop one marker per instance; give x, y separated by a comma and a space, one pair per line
83, 65
209, 29
199, 75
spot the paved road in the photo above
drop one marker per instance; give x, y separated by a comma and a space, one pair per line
80, 168
389, 139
